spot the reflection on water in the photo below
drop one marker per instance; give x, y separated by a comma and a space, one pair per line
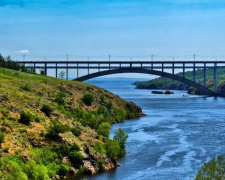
173, 140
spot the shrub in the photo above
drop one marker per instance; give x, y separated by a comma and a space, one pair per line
75, 156
76, 131
1, 137
47, 110
102, 97
109, 105
26, 87
59, 98
56, 127
88, 98
99, 147
102, 110
74, 147
25, 118
88, 88
104, 129
113, 149
6, 149
63, 170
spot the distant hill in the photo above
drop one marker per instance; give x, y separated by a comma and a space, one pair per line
165, 83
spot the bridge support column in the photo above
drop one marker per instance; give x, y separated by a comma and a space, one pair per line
173, 69
34, 67
77, 70
45, 69
204, 74
194, 72
215, 77
183, 70
56, 71
67, 71
162, 67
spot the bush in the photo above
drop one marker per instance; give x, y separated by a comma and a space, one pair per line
88, 99
113, 149
76, 131
104, 129
1, 137
47, 110
99, 147
74, 147
102, 97
25, 118
102, 110
56, 127
63, 170
109, 105
26, 87
75, 156
59, 98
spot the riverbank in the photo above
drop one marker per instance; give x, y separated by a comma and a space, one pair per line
57, 126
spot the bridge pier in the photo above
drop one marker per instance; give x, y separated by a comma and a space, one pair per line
183, 69
194, 72
56, 70
34, 67
45, 69
67, 71
173, 69
204, 74
215, 78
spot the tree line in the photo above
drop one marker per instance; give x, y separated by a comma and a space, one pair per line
7, 62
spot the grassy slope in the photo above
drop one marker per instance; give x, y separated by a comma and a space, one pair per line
165, 83
19, 138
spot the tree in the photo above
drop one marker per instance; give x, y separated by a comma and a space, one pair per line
212, 170
42, 71
61, 75
121, 136
104, 129
113, 149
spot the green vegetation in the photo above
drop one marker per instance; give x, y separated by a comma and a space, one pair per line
214, 169
1, 138
165, 83
104, 129
24, 118
43, 120
55, 128
88, 98
47, 110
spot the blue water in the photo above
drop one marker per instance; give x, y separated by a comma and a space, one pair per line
173, 141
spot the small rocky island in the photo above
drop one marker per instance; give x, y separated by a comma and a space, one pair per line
161, 92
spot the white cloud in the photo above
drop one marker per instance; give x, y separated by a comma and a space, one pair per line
24, 51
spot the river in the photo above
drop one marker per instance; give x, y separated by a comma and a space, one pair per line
173, 141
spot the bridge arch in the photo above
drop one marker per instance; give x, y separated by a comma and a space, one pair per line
148, 71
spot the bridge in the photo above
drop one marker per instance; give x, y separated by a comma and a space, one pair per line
159, 68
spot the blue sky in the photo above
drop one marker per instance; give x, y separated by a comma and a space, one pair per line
115, 27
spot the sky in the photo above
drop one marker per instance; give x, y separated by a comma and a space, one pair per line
127, 28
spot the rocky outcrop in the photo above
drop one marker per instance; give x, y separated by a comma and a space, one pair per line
137, 109
93, 162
